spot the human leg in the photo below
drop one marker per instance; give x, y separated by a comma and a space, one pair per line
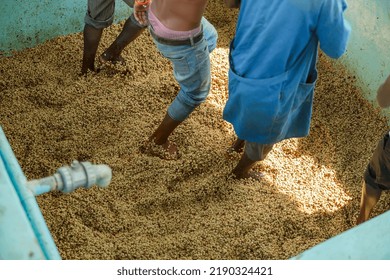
253, 153
191, 68
237, 146
131, 30
376, 178
91, 42
242, 169
161, 134
369, 198
191, 64
99, 15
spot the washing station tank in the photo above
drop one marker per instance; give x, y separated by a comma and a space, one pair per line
24, 234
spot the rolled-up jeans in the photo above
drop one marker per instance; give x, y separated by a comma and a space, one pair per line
191, 69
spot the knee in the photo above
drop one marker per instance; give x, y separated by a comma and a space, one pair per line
98, 23
100, 14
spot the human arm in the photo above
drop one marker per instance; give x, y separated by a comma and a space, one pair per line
383, 94
333, 30
140, 11
233, 3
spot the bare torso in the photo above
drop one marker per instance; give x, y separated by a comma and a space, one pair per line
179, 15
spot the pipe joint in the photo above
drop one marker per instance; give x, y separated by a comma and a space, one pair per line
69, 178
82, 174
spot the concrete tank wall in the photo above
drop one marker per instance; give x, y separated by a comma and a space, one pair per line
26, 23
368, 54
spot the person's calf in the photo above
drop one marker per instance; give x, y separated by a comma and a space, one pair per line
235, 149
237, 146
129, 33
159, 139
369, 198
243, 169
91, 42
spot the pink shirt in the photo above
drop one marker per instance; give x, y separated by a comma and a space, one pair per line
162, 31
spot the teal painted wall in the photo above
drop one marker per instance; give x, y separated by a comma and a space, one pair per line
368, 53
26, 23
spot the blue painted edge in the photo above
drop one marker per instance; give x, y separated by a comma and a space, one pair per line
367, 241
28, 200
17, 238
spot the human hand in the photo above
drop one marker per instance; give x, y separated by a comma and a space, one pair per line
140, 11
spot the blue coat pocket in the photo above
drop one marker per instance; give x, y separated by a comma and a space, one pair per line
253, 105
269, 110
297, 124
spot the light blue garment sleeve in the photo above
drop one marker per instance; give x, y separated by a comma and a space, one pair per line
333, 29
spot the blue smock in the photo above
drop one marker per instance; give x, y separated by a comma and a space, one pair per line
273, 65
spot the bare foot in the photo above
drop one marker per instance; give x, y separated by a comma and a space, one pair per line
85, 72
167, 151
255, 175
105, 58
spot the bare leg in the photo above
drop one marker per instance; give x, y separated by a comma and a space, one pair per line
370, 197
161, 134
243, 169
237, 146
235, 149
129, 33
91, 42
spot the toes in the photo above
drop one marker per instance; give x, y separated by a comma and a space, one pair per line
104, 59
256, 175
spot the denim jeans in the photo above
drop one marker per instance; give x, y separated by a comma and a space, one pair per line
191, 69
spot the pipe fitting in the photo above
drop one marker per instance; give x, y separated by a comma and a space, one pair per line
69, 178
82, 174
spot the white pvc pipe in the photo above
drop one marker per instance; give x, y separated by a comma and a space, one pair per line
69, 178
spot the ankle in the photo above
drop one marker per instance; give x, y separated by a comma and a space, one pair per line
158, 140
237, 173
